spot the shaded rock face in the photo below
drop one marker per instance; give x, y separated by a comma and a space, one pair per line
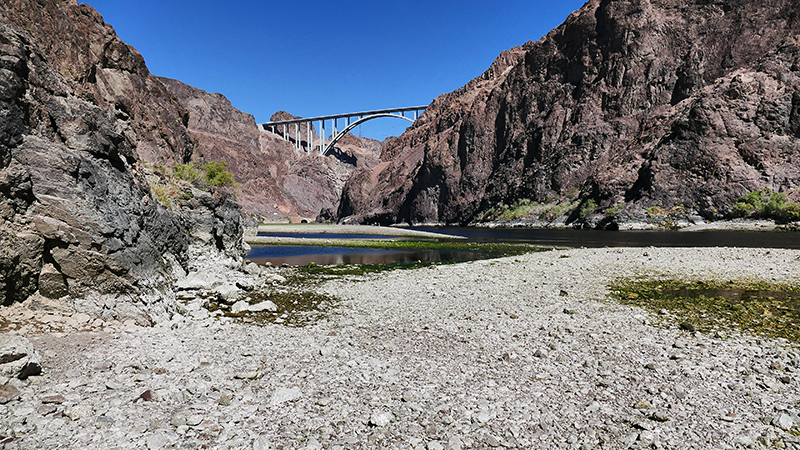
641, 103
80, 118
275, 179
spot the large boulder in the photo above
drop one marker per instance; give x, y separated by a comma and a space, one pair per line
82, 125
18, 358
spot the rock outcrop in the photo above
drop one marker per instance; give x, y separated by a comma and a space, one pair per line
275, 179
627, 106
82, 121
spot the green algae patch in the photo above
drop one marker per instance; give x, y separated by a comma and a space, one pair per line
758, 307
294, 308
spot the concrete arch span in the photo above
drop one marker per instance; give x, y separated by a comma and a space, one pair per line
359, 117
353, 125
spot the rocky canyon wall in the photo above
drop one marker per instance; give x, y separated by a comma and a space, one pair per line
82, 122
629, 105
275, 180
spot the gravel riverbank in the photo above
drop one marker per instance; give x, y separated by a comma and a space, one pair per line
521, 352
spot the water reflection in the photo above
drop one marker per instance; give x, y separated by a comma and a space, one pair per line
298, 255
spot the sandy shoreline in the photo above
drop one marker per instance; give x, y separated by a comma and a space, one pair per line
521, 352
351, 229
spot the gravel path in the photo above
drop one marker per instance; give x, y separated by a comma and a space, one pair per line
522, 352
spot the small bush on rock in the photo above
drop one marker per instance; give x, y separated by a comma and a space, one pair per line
216, 173
187, 172
767, 204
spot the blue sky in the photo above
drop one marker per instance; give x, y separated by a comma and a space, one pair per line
314, 58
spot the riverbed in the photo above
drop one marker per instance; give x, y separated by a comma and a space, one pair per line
521, 352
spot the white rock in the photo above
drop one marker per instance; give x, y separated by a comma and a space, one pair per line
197, 281
160, 439
783, 421
313, 444
228, 291
283, 395
263, 306
262, 443
240, 306
381, 418
81, 318
200, 314
16, 352
274, 278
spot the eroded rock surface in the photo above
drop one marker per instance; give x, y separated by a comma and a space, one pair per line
635, 103
81, 122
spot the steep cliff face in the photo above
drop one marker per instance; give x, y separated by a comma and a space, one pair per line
80, 119
275, 179
638, 103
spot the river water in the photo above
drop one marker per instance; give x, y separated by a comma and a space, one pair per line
303, 254
604, 238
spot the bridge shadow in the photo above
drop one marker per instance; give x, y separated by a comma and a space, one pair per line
342, 156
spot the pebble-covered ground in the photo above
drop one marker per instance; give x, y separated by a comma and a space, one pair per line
524, 352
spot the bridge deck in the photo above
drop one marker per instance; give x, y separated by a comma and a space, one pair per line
361, 117
344, 116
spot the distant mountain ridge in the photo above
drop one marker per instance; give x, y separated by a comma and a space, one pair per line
626, 107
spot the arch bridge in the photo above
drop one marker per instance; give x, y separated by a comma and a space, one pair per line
350, 121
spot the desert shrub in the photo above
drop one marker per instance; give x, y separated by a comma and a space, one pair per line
549, 210
187, 172
587, 208
614, 210
216, 173
767, 204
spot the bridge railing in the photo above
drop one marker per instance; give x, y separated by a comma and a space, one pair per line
283, 127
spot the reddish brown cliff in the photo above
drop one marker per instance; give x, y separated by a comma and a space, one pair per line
274, 179
630, 103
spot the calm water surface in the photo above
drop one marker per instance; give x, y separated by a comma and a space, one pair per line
603, 238
301, 254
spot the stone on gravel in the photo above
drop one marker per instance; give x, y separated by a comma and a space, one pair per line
18, 357
57, 398
434, 445
784, 421
8, 393
197, 281
274, 278
263, 306
659, 416
284, 395
262, 443
240, 306
227, 292
381, 418
245, 284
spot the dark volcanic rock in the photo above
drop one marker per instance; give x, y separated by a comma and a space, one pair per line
275, 178
642, 103
80, 118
